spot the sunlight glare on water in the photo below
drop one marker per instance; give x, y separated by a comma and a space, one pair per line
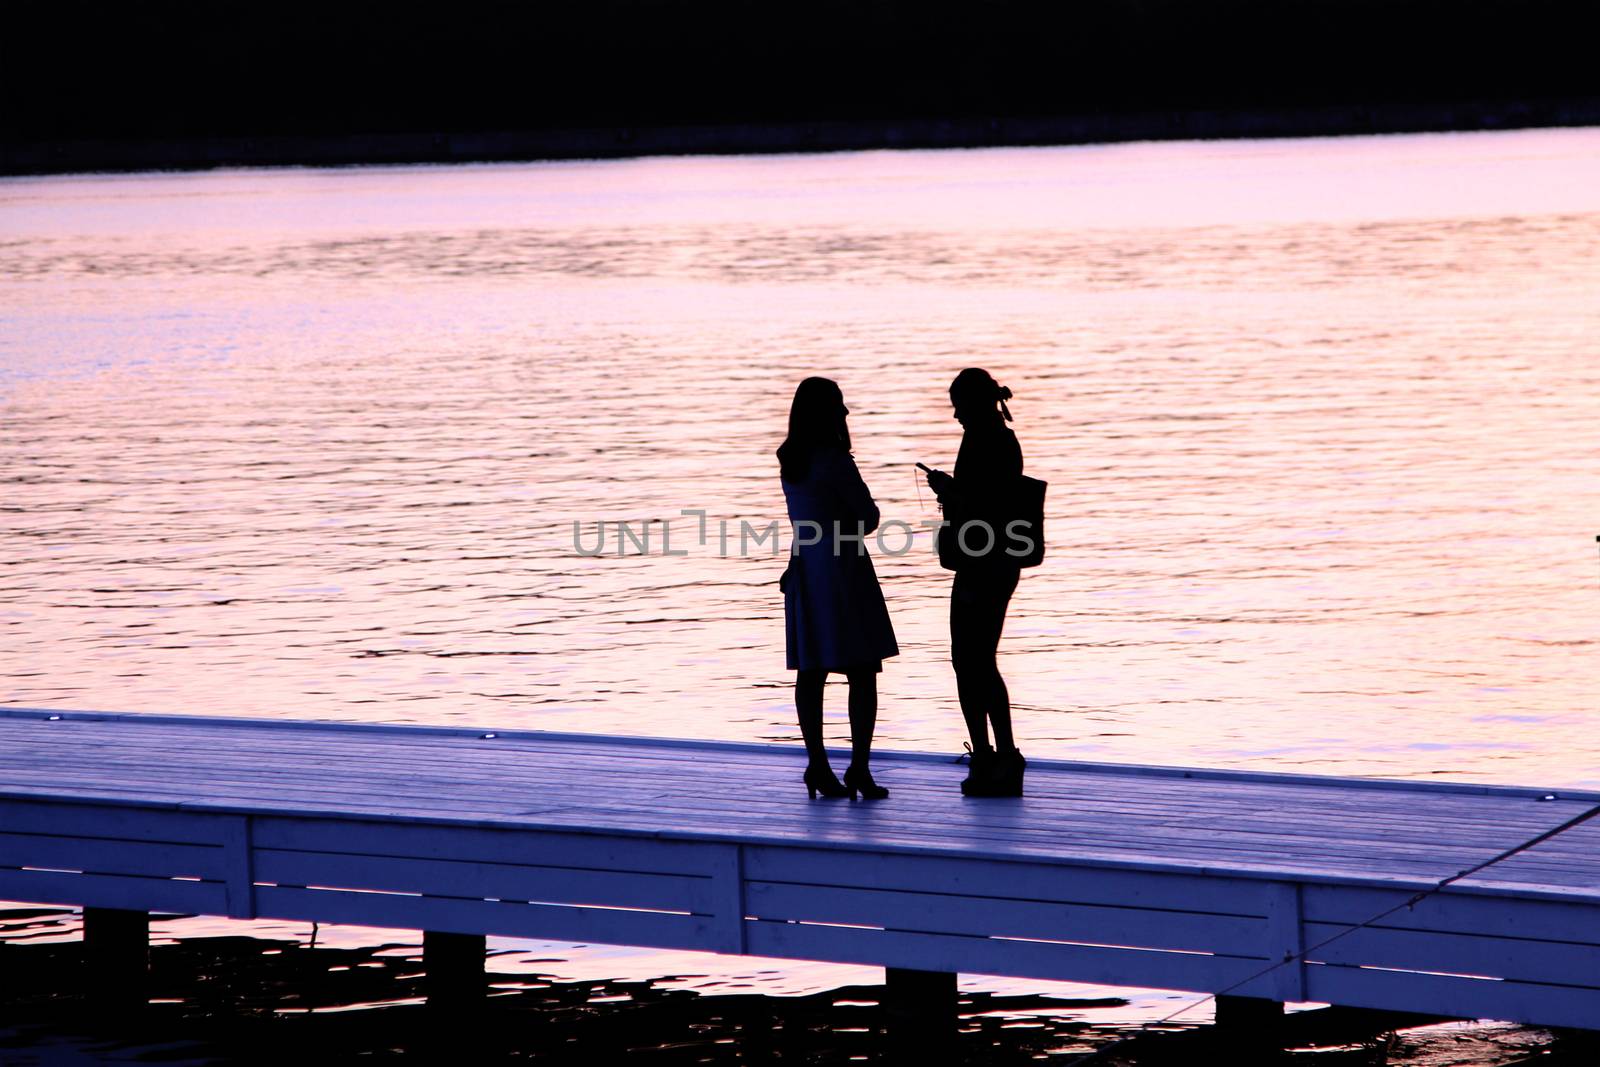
1318, 419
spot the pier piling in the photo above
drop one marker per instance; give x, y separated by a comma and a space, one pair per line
920, 1012
116, 954
1250, 1023
453, 969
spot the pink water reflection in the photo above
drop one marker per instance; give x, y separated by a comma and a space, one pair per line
1318, 419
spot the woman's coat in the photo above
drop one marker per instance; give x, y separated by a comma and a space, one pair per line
834, 613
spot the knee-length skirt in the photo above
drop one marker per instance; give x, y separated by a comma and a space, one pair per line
835, 617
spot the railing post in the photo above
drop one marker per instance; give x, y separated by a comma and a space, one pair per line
727, 882
1285, 945
116, 957
237, 850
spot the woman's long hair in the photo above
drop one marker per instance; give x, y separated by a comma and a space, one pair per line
816, 420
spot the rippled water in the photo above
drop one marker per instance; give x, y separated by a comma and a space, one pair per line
1318, 417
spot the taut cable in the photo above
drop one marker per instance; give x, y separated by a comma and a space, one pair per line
1298, 957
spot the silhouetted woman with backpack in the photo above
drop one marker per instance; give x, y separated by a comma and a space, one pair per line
988, 468
835, 619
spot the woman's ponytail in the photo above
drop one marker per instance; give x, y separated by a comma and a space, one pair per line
974, 389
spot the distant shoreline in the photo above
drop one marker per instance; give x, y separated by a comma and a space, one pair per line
616, 142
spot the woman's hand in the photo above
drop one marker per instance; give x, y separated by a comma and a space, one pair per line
940, 482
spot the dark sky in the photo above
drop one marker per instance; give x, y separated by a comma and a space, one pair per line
150, 70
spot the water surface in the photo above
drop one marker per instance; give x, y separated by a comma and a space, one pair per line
1318, 419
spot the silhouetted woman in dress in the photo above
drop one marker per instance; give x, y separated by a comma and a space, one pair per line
834, 615
989, 463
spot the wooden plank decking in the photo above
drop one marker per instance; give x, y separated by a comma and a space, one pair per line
1140, 876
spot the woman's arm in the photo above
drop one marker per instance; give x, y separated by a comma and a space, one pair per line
854, 498
986, 469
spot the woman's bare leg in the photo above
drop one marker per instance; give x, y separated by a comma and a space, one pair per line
863, 715
967, 657
808, 706
978, 603
1000, 714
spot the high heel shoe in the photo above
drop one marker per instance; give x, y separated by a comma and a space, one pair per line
822, 780
1009, 766
995, 774
980, 770
862, 780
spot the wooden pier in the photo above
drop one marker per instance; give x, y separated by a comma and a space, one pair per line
1153, 877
